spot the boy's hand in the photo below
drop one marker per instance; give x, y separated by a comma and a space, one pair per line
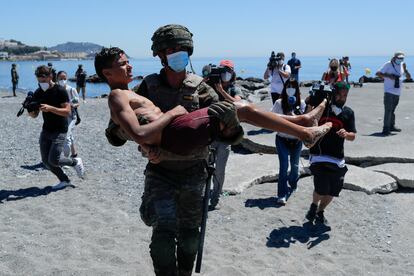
153, 153
177, 111
342, 133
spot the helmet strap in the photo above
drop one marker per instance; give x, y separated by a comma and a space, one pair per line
191, 65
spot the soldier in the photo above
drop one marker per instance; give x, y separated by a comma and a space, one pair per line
14, 78
172, 199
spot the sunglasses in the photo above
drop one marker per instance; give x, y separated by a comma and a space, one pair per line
42, 75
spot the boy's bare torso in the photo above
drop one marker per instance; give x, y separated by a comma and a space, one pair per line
139, 104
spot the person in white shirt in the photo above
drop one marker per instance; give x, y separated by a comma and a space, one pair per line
280, 73
69, 146
392, 72
289, 104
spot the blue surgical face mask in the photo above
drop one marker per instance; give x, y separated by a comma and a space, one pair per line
226, 76
398, 61
178, 61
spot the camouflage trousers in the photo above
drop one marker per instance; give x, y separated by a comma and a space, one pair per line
172, 205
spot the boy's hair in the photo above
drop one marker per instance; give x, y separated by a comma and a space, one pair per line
43, 71
105, 58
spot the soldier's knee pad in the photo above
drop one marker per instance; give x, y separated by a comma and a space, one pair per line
162, 248
188, 240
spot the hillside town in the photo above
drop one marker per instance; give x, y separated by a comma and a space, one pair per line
13, 50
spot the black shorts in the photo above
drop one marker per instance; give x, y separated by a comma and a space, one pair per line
328, 178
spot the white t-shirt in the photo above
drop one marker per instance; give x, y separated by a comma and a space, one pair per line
73, 96
326, 158
276, 85
392, 68
277, 108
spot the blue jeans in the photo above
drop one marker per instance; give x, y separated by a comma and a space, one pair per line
286, 147
51, 147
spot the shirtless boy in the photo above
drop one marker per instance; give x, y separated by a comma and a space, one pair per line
141, 121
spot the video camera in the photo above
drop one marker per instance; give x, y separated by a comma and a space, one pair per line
29, 103
274, 61
320, 91
213, 73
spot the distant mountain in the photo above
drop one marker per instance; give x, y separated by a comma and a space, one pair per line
70, 47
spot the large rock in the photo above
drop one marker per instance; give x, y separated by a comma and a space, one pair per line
403, 173
246, 170
368, 181
250, 85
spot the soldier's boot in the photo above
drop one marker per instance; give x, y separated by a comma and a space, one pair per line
162, 250
187, 247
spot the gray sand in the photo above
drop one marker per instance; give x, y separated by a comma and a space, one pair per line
95, 228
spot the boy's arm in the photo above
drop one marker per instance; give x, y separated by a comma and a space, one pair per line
127, 119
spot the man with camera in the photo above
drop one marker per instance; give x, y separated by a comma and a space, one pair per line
53, 101
327, 155
225, 87
392, 73
279, 72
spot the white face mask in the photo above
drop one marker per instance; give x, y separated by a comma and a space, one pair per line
62, 82
291, 91
336, 110
226, 76
44, 85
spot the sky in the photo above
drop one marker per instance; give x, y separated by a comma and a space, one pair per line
221, 28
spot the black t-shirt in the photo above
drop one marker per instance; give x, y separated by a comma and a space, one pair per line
80, 78
54, 96
292, 63
331, 144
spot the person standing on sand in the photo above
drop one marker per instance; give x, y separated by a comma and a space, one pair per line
280, 73
14, 78
392, 72
288, 146
226, 90
69, 148
55, 107
80, 75
334, 73
295, 65
327, 155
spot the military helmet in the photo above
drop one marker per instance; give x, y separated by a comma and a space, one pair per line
170, 36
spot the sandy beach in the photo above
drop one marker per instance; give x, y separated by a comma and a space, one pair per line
94, 227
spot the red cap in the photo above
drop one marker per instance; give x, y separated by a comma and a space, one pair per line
227, 63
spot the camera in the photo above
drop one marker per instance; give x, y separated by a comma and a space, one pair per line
397, 81
318, 92
213, 73
29, 103
274, 61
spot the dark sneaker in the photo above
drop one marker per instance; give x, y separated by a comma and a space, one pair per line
385, 133
320, 218
311, 214
396, 129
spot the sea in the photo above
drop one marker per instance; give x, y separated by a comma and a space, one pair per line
312, 69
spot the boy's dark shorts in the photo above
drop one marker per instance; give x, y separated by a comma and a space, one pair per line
328, 178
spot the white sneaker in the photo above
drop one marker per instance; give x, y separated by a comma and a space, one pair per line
282, 200
61, 185
79, 168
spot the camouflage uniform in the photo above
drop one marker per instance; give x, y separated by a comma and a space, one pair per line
172, 199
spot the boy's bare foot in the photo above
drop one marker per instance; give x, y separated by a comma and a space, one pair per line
316, 133
315, 114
